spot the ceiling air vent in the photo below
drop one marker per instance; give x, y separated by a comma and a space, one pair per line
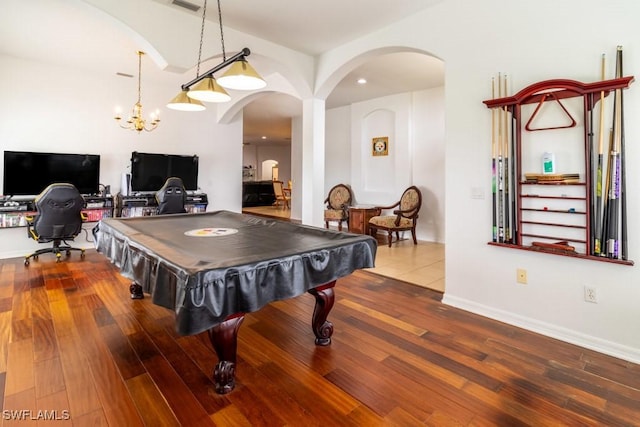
185, 4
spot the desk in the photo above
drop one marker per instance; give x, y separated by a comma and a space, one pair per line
359, 216
212, 268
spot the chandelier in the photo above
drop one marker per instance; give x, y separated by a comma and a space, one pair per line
136, 121
240, 76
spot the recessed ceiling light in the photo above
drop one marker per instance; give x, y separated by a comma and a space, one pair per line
362, 80
264, 137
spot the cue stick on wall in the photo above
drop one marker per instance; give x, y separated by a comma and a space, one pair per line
607, 181
493, 162
592, 186
623, 181
500, 171
614, 176
505, 136
598, 210
514, 173
614, 185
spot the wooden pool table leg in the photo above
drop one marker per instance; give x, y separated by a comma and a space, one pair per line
224, 339
322, 328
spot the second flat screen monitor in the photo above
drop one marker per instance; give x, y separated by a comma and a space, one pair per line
150, 170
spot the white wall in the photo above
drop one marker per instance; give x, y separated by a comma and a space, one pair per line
414, 123
428, 158
71, 111
337, 166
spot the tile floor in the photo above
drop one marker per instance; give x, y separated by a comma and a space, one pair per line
421, 264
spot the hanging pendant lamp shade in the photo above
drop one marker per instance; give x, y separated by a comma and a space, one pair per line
241, 76
182, 102
208, 90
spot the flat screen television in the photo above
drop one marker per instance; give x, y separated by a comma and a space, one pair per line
28, 173
150, 170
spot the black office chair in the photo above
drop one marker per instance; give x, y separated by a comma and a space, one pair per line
172, 197
59, 218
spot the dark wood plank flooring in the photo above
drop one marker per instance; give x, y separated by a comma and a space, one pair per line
72, 340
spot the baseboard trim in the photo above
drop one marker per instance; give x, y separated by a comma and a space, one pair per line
573, 337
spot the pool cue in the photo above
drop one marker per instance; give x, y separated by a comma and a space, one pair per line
614, 186
591, 188
500, 171
605, 197
598, 210
505, 136
623, 180
493, 162
514, 173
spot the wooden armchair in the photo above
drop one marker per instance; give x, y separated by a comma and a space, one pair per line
281, 197
338, 202
404, 218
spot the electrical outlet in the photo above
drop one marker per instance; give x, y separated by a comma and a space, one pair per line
521, 276
590, 294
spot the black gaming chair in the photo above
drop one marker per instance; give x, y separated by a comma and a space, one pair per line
172, 197
59, 218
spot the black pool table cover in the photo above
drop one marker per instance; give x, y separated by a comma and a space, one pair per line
206, 278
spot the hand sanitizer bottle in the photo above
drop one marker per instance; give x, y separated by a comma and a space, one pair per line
548, 163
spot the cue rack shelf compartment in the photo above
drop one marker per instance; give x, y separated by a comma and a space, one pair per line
548, 212
145, 204
15, 213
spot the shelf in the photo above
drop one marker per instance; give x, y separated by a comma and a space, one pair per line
552, 183
96, 209
554, 211
146, 204
539, 196
553, 224
522, 199
580, 256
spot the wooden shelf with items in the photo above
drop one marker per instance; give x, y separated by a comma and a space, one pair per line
14, 214
548, 212
146, 204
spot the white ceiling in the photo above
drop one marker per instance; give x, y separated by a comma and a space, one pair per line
68, 33
309, 26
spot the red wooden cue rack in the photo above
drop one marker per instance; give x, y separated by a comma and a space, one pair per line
525, 230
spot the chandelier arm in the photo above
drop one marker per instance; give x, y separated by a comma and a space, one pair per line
240, 55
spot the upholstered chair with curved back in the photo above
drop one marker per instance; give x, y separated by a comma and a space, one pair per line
338, 202
404, 218
172, 197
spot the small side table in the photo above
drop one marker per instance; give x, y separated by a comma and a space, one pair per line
359, 216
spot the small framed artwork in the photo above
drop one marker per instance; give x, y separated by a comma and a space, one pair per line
380, 146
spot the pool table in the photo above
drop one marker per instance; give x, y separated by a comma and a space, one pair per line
211, 268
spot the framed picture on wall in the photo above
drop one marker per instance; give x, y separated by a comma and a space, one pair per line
380, 146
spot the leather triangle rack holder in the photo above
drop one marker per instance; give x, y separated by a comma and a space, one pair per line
543, 98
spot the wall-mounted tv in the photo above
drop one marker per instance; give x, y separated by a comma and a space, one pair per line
28, 173
150, 170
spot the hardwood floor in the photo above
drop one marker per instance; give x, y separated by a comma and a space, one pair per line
72, 340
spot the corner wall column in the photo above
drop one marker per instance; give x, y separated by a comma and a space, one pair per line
308, 163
